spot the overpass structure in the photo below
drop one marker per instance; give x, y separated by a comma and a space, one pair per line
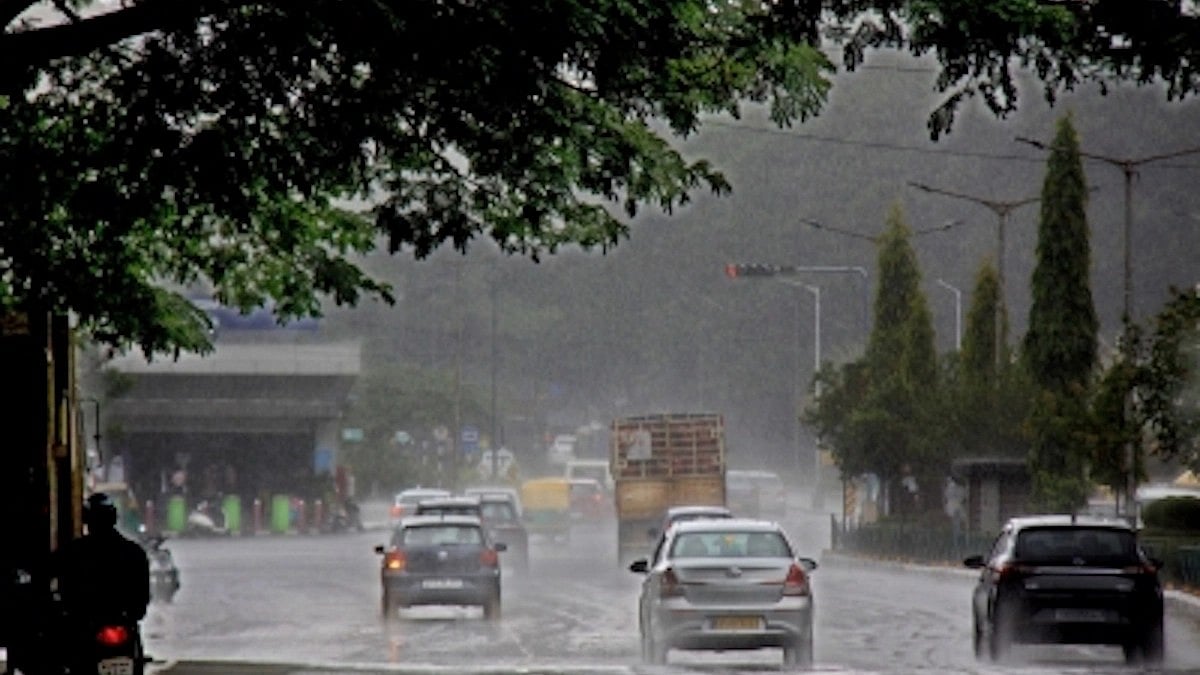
252, 418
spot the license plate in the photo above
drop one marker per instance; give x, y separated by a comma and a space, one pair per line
118, 666
442, 583
1082, 615
736, 623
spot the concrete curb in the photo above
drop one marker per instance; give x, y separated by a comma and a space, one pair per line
1177, 601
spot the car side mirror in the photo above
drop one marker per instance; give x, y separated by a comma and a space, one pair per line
500, 547
652, 533
639, 566
379, 550
808, 564
974, 562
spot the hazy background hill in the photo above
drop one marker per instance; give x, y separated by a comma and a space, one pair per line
655, 325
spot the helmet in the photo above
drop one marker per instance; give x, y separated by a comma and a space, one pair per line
99, 512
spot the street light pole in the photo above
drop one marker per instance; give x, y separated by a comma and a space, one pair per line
957, 313
1002, 211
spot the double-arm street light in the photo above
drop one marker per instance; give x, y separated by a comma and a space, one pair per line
1002, 209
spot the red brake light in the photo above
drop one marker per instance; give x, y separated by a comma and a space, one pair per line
796, 582
489, 558
1009, 572
112, 636
397, 510
669, 586
395, 561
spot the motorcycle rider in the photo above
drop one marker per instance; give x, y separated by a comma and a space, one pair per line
101, 576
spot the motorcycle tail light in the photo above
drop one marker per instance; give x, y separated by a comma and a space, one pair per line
395, 561
112, 636
489, 558
796, 582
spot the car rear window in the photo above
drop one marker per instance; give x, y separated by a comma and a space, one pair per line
498, 511
730, 545
446, 510
1071, 545
438, 535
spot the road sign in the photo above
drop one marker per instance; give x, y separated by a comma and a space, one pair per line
470, 439
352, 434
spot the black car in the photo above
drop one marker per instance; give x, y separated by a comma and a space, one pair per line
1068, 579
503, 522
441, 560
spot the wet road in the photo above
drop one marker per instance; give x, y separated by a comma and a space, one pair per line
315, 601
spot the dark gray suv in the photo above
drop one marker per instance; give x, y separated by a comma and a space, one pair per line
1068, 579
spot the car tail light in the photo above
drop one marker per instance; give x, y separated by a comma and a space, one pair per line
112, 636
489, 558
1144, 568
397, 511
669, 586
1010, 572
796, 582
395, 561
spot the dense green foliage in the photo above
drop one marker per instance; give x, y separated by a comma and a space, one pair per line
1174, 514
151, 143
1060, 344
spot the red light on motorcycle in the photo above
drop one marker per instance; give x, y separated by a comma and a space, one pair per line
112, 636
489, 558
395, 561
796, 582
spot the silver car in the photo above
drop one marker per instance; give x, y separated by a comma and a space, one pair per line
726, 584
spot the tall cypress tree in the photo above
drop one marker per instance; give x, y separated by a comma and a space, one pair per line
979, 339
1060, 345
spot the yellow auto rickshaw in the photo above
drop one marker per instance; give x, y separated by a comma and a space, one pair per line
546, 507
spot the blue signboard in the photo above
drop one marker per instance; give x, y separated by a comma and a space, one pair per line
470, 440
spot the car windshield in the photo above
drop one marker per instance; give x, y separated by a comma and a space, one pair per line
1077, 545
438, 535
730, 545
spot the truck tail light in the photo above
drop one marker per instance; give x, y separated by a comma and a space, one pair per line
489, 558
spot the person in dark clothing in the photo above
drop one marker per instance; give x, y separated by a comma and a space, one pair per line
102, 576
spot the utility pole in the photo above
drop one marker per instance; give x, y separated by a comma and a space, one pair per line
1128, 167
496, 442
1002, 209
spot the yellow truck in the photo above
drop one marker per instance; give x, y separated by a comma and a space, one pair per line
661, 461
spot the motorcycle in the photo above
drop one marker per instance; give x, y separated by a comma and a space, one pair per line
345, 518
109, 647
164, 575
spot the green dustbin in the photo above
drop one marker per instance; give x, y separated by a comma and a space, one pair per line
231, 507
281, 514
176, 514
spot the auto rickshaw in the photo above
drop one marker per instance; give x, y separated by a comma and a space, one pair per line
546, 507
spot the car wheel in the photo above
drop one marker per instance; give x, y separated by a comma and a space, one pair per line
799, 653
491, 608
1148, 649
652, 652
1000, 637
388, 606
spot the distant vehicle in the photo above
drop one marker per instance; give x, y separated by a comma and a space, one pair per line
589, 499
561, 450
503, 523
660, 461
680, 514
726, 584
1071, 580
449, 506
590, 468
547, 504
405, 502
440, 560
755, 493
481, 491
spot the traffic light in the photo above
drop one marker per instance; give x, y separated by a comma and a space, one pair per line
735, 271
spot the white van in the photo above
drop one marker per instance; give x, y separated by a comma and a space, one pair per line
590, 468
